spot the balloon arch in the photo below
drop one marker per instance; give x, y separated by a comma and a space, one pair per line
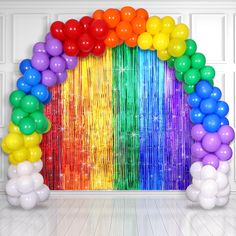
64, 44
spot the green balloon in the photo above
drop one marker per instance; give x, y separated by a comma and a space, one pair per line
16, 97
17, 115
182, 64
27, 126
41, 107
189, 88
40, 120
191, 47
192, 76
211, 82
207, 73
43, 129
179, 76
171, 62
29, 104
198, 60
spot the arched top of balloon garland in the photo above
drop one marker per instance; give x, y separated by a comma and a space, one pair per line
64, 45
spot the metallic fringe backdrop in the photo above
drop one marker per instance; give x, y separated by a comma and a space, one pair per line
119, 122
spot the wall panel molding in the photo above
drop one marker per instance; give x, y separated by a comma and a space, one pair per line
2, 38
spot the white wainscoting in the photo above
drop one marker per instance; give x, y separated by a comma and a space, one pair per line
22, 23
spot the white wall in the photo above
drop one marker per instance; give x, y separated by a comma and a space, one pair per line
22, 23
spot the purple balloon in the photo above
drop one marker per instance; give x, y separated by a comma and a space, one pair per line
39, 47
54, 47
226, 134
211, 142
212, 160
71, 62
57, 64
48, 37
197, 151
224, 153
198, 132
40, 61
49, 78
61, 77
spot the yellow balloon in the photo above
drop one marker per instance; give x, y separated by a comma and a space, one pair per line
4, 147
145, 41
154, 25
176, 47
21, 154
12, 160
32, 140
14, 141
35, 154
181, 31
163, 55
49, 126
13, 128
160, 41
168, 24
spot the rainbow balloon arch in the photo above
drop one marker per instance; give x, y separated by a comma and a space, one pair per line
64, 44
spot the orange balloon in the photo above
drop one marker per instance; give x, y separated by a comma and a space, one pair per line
98, 14
132, 41
120, 42
127, 13
112, 40
142, 13
124, 30
112, 17
138, 25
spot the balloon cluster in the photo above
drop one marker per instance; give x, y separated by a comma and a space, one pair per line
25, 187
210, 187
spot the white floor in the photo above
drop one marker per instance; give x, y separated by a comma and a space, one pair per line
117, 216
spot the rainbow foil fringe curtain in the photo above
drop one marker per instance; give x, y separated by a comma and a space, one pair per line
119, 122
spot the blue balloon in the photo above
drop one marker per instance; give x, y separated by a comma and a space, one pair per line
224, 121
41, 92
196, 116
208, 106
194, 100
22, 85
222, 109
48, 99
211, 123
25, 65
32, 77
204, 89
216, 94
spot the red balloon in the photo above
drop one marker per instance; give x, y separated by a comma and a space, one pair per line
99, 48
70, 47
83, 54
85, 23
57, 30
85, 43
73, 29
98, 29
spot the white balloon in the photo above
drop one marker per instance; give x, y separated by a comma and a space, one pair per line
221, 180
11, 188
38, 180
12, 172
207, 202
25, 184
29, 200
25, 168
209, 188
14, 201
197, 183
224, 167
192, 193
208, 172
195, 170
38, 165
221, 201
43, 193
225, 192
